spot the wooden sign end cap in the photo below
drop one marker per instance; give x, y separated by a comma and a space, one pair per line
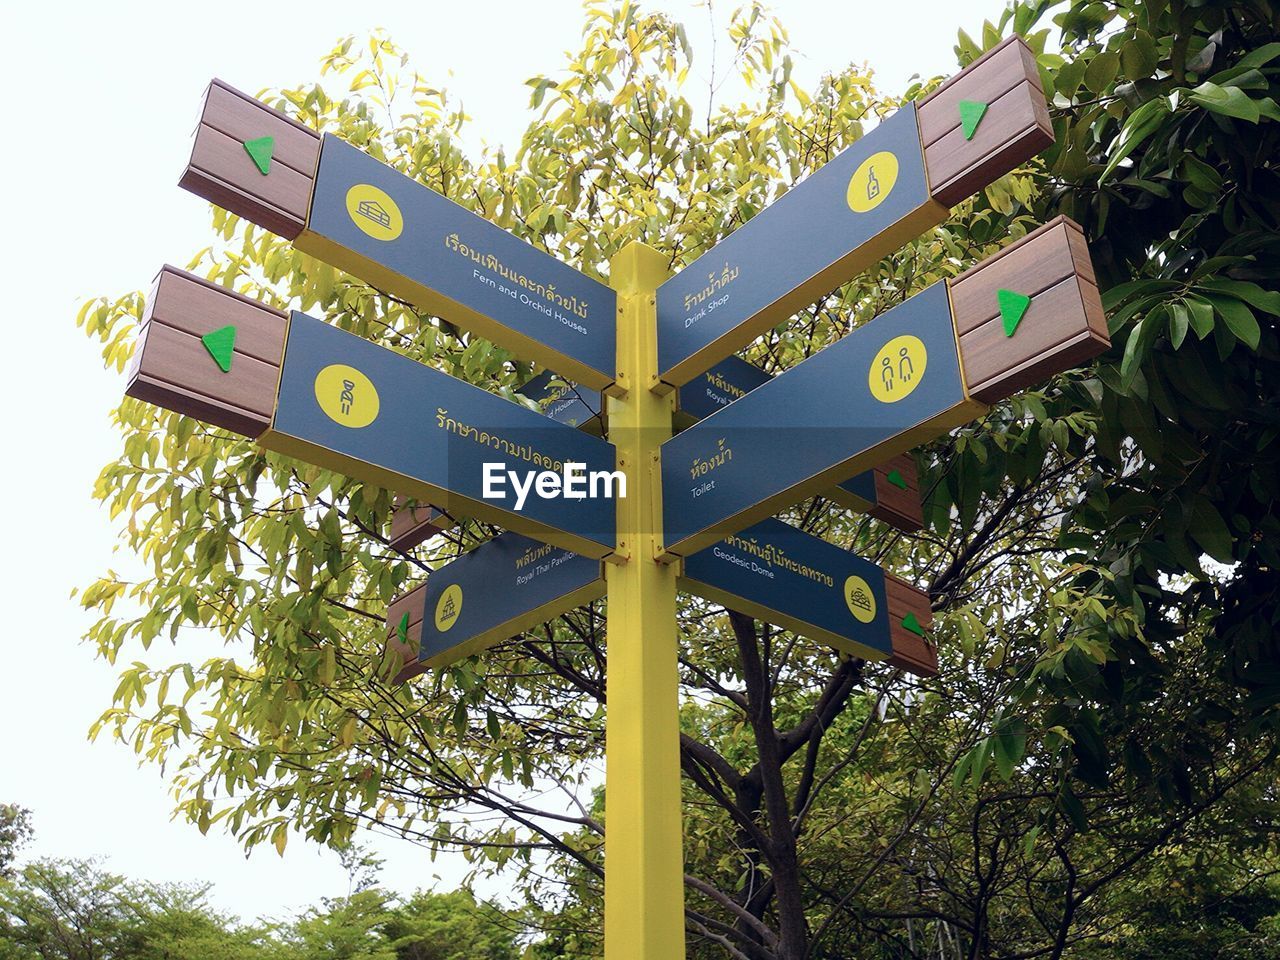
988, 118
910, 623
898, 494
413, 524
1031, 311
208, 352
253, 161
404, 628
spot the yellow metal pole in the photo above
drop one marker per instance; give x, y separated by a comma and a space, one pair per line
644, 872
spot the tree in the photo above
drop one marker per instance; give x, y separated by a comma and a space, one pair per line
16, 831
352, 928
1108, 702
62, 910
72, 910
452, 926
362, 866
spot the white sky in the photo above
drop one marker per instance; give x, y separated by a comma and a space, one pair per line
102, 101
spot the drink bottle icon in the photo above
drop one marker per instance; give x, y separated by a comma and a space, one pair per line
873, 185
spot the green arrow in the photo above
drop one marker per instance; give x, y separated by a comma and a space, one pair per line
971, 112
912, 624
402, 629
1012, 308
220, 344
895, 477
260, 150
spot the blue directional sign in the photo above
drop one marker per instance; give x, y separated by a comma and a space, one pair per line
881, 390
862, 205
565, 402
772, 571
729, 380
716, 388
367, 411
405, 238
498, 590
780, 574
733, 378
577, 405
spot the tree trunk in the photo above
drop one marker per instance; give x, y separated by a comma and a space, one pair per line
793, 939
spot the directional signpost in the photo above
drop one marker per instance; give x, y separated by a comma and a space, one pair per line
566, 402
889, 492
691, 510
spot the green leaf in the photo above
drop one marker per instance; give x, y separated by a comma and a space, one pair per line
1256, 58
981, 760
1238, 318
1071, 806
1102, 71
1011, 747
1141, 124
1179, 321
1029, 841
1245, 79
961, 771
1069, 78
966, 48
1267, 301
1201, 316
1201, 174
1207, 528
1135, 759
1227, 101
1138, 57
1114, 296
1139, 344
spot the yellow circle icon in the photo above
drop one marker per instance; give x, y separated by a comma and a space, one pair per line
860, 600
897, 369
347, 396
448, 607
872, 181
374, 212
